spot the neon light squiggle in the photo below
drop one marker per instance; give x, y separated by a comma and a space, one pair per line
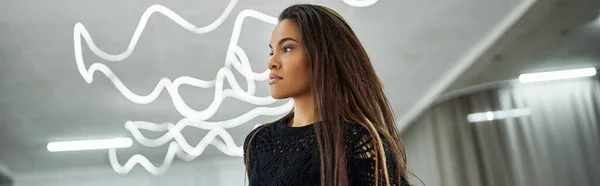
235, 57
172, 87
360, 3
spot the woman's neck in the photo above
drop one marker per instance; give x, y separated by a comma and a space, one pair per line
304, 111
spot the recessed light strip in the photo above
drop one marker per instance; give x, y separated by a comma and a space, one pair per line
89, 144
494, 115
556, 75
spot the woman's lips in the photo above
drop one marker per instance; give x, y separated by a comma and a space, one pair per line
274, 78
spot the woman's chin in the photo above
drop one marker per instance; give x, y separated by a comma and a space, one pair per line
275, 95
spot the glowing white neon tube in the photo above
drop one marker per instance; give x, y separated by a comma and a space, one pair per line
89, 144
173, 150
557, 75
135, 126
143, 161
360, 3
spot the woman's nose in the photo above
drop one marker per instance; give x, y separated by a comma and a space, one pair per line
273, 64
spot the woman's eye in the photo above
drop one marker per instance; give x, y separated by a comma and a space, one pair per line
271, 53
287, 48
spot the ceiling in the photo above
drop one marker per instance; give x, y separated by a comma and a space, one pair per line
553, 35
417, 47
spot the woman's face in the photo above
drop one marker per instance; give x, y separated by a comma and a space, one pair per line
290, 75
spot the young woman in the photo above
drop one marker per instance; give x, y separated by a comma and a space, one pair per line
341, 131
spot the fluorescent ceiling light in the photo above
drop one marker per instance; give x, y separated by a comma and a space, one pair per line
556, 75
494, 115
89, 144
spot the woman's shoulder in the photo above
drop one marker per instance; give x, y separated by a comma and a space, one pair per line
256, 132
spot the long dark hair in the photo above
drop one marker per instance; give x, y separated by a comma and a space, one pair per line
345, 89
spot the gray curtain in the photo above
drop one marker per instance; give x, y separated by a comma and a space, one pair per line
557, 144
5, 176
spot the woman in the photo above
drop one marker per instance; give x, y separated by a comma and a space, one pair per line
341, 130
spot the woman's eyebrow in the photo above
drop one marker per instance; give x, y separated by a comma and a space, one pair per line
283, 40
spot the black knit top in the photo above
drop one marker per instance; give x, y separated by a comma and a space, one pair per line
288, 156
